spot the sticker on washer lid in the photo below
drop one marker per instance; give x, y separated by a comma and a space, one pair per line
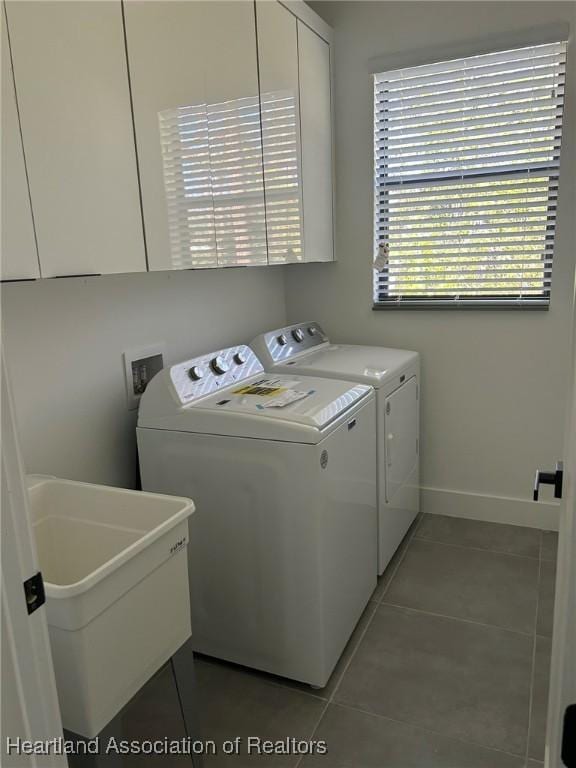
258, 389
286, 398
264, 387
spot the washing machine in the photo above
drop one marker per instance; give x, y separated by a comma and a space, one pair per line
304, 348
282, 470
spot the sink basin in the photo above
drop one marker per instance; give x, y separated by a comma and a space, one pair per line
115, 570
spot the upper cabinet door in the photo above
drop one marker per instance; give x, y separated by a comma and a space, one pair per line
194, 75
73, 95
316, 125
235, 134
280, 108
19, 256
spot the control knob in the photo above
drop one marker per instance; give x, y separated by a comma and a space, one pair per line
240, 358
195, 373
282, 340
219, 365
297, 335
312, 330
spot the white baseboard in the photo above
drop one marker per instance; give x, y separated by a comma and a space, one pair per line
491, 509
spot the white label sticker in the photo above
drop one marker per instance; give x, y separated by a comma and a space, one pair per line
285, 398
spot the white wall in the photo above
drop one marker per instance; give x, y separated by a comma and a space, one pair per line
64, 341
494, 382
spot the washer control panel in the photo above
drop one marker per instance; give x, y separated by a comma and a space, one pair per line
204, 375
288, 342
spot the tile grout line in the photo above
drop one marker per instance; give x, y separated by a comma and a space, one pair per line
330, 699
314, 729
286, 687
377, 603
418, 523
477, 549
400, 561
423, 729
533, 670
414, 535
267, 678
458, 618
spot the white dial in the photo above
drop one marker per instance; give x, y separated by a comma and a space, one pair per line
219, 365
195, 373
297, 335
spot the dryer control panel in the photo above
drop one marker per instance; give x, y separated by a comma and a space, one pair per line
204, 375
285, 343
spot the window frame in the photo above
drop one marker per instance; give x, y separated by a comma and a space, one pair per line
486, 301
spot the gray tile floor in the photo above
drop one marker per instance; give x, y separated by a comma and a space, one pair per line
448, 667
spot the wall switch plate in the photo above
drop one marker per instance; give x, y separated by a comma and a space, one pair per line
140, 366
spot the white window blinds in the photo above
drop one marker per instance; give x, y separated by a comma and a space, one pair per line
466, 179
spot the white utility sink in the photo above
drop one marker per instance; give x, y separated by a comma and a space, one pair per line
115, 570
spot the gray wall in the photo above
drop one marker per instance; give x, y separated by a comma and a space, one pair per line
64, 341
494, 382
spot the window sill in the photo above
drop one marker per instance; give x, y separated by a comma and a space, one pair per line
537, 304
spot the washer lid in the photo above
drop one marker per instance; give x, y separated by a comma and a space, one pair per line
372, 365
254, 404
279, 403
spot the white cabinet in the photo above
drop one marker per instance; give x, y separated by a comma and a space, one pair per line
230, 120
194, 76
280, 110
19, 256
316, 128
294, 64
226, 178
73, 96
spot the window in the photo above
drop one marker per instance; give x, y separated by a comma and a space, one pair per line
466, 179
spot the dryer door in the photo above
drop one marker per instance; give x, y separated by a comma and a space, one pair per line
401, 423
